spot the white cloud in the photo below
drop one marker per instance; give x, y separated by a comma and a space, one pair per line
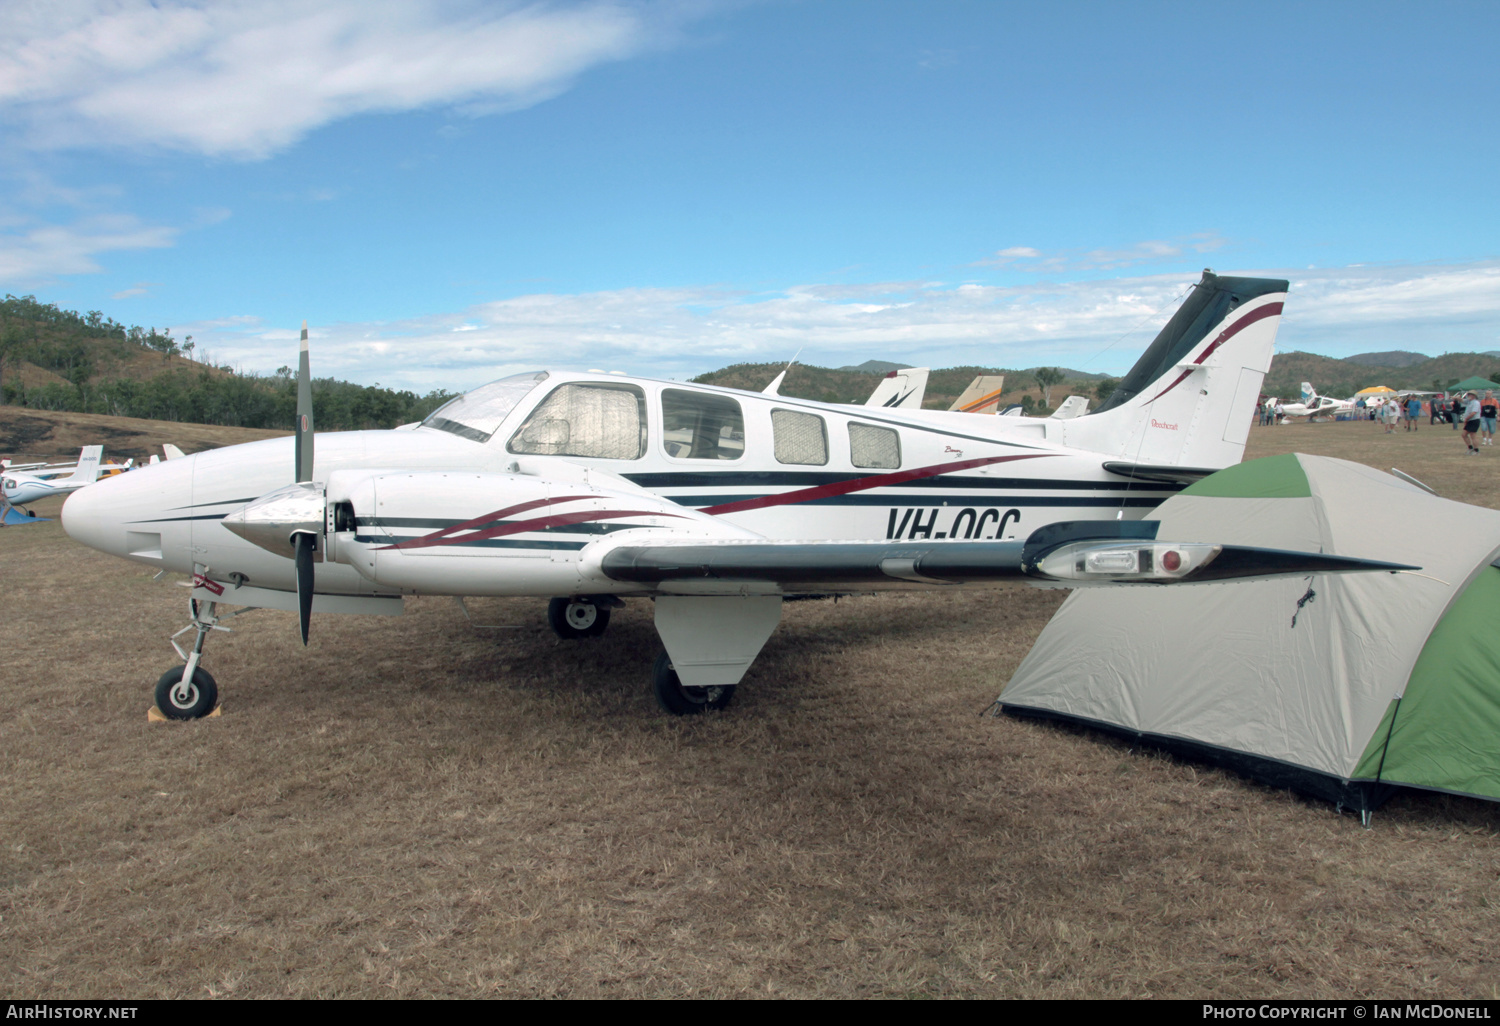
32, 253
1028, 258
140, 288
1097, 325
244, 78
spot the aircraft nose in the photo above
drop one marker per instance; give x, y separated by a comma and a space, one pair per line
89, 518
131, 514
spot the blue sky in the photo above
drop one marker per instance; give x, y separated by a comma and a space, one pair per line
451, 191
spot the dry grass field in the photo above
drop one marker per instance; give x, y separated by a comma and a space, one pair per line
28, 436
410, 807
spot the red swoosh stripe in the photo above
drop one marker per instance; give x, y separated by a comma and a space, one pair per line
469, 525
534, 524
860, 484
1269, 310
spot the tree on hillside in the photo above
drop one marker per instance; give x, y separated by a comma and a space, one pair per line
12, 337
1046, 377
1106, 388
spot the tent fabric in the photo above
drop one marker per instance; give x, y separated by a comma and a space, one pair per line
1292, 672
1376, 390
1444, 732
1474, 384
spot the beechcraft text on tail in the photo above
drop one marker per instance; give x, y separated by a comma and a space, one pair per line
588, 490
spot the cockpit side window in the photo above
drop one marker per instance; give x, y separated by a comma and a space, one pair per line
701, 425
874, 447
577, 419
478, 414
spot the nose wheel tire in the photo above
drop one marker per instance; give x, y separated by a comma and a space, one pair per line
574, 619
683, 701
189, 703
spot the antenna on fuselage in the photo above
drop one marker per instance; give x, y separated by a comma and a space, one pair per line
775, 385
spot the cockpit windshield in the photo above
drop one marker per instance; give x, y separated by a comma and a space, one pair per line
477, 415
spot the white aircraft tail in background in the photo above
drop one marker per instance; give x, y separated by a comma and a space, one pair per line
1072, 406
982, 395
900, 390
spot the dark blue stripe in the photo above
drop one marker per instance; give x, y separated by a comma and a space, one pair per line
485, 543
808, 479
958, 501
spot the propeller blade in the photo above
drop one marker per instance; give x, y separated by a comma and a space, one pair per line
304, 457
303, 544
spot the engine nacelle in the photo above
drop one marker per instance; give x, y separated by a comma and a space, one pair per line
463, 533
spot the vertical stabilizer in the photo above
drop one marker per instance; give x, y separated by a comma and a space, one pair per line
89, 458
982, 395
900, 390
1190, 398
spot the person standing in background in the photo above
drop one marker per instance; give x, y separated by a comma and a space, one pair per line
1487, 410
1413, 411
1471, 422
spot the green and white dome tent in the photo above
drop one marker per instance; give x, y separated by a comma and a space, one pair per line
1341, 686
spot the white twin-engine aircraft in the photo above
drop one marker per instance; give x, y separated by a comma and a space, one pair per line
714, 502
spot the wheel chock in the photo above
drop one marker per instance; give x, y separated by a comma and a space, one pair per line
155, 715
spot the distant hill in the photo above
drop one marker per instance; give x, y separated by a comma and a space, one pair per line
1342, 378
877, 367
1393, 358
63, 361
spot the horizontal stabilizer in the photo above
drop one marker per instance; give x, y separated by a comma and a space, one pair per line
1157, 473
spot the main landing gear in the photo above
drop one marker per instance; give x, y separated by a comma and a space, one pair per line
684, 701
574, 619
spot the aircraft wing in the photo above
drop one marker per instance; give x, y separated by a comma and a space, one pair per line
1076, 554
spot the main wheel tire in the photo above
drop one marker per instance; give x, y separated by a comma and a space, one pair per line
202, 696
683, 701
575, 619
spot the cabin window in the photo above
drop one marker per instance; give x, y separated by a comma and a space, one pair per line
874, 447
478, 414
602, 421
701, 425
801, 438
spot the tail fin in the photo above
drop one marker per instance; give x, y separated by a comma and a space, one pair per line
900, 389
1072, 406
88, 464
1309, 394
171, 451
982, 395
1190, 398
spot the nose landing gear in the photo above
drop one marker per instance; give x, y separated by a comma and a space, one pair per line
189, 692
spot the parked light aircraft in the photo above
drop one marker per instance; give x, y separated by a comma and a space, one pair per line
716, 503
1314, 405
37, 483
